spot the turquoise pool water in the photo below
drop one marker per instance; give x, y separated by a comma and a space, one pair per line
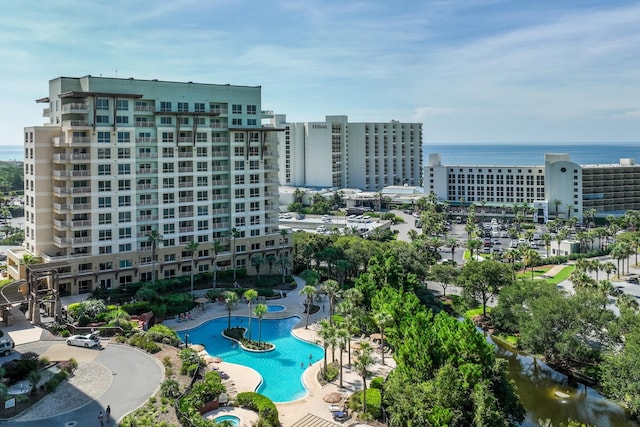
281, 369
275, 308
231, 418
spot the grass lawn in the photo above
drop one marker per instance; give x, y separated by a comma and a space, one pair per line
475, 312
562, 275
537, 272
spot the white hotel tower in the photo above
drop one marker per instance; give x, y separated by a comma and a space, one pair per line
121, 158
339, 154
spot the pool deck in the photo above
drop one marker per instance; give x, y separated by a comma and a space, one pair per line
246, 379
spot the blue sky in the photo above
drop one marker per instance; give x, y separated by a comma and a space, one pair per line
470, 70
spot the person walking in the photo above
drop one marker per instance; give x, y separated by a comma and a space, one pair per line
108, 413
101, 419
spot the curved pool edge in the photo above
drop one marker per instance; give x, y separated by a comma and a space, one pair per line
235, 366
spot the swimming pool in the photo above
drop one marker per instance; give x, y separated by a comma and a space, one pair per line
281, 369
235, 421
274, 308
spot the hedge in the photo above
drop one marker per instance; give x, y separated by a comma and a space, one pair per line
261, 404
374, 402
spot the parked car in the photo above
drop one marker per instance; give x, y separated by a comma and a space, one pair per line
6, 345
82, 341
633, 280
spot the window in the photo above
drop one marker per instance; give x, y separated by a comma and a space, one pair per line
167, 167
252, 122
122, 120
255, 219
184, 120
239, 193
167, 136
239, 179
238, 137
254, 178
169, 198
125, 233
104, 235
102, 104
169, 228
104, 249
168, 182
203, 210
104, 169
202, 196
254, 206
124, 201
240, 207
240, 222
124, 169
104, 137
104, 218
124, 184
104, 202
236, 122
254, 165
198, 107
124, 137
203, 225
238, 151
124, 217
102, 120
254, 192
166, 120
252, 109
122, 104
124, 153
104, 186
106, 265
168, 213
165, 105
104, 153
183, 106
236, 109
202, 181
238, 165
201, 166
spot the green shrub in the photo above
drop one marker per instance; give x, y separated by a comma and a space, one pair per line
84, 320
331, 373
377, 382
262, 404
163, 334
55, 381
374, 402
142, 341
170, 388
65, 333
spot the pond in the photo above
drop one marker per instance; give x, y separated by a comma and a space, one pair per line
537, 386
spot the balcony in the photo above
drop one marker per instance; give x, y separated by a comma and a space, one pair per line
187, 184
185, 214
185, 200
144, 108
71, 156
143, 124
85, 239
147, 155
146, 202
77, 124
147, 187
185, 154
46, 112
219, 182
189, 169
60, 207
81, 223
77, 207
147, 217
61, 241
185, 229
147, 171
146, 140
74, 107
60, 224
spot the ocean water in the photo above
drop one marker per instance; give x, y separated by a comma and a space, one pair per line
488, 154
531, 154
11, 152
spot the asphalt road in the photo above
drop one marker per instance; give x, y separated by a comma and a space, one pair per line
136, 377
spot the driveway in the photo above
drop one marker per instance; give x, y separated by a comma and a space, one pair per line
127, 376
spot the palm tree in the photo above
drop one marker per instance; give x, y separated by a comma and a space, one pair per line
250, 295
569, 210
608, 267
474, 245
362, 363
216, 249
256, 261
332, 289
283, 240
259, 311
546, 238
230, 300
308, 291
556, 203
155, 238
327, 334
342, 336
235, 233
453, 243
382, 319
34, 377
191, 249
